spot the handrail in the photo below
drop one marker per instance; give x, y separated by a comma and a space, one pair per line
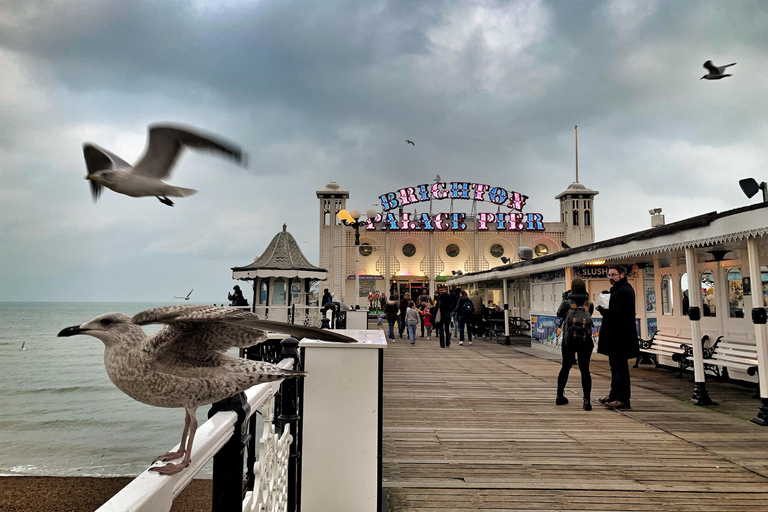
152, 492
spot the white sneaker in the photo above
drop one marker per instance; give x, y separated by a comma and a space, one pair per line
428, 338
461, 343
470, 342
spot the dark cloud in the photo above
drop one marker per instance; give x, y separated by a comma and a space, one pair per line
329, 91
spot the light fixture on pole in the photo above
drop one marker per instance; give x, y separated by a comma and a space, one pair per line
750, 187
352, 219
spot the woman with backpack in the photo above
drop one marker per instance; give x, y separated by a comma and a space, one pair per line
464, 310
576, 312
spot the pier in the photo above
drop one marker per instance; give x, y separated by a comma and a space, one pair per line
473, 428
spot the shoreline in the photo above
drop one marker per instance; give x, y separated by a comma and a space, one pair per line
85, 494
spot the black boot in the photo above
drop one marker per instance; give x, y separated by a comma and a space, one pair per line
561, 400
587, 404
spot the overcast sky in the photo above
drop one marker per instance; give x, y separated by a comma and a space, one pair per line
327, 91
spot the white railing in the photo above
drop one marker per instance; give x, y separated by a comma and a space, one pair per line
152, 492
310, 316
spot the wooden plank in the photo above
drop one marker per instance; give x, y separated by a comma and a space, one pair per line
476, 428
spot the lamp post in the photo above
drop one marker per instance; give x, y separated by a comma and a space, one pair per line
352, 219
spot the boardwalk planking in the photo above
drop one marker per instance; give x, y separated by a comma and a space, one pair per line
476, 428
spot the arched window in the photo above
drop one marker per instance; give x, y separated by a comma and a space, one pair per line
708, 298
666, 295
327, 218
263, 293
587, 219
575, 217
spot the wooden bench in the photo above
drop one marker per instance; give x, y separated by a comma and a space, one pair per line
663, 345
734, 354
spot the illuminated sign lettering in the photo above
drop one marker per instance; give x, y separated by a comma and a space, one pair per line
514, 220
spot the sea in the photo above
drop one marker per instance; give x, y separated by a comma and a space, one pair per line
60, 415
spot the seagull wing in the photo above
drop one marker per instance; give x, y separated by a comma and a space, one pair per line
98, 159
712, 68
213, 328
166, 143
190, 293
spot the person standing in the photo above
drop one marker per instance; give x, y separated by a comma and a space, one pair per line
464, 310
403, 308
327, 298
412, 321
426, 319
424, 304
576, 312
390, 311
443, 325
476, 318
618, 334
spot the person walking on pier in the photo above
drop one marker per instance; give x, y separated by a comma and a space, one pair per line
390, 310
576, 312
464, 310
403, 307
412, 321
618, 335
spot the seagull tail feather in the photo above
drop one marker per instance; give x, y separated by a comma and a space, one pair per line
180, 192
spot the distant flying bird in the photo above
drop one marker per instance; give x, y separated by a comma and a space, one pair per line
187, 297
715, 72
165, 145
565, 245
185, 364
410, 142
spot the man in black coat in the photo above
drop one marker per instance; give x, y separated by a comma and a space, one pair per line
618, 334
444, 325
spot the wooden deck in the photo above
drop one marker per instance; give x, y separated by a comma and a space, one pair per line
477, 428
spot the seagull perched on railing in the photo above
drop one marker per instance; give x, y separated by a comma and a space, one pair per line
185, 363
715, 72
145, 178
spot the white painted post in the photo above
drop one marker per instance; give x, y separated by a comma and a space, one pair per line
341, 422
700, 395
758, 302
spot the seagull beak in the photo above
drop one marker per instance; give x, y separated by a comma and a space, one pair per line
72, 331
89, 177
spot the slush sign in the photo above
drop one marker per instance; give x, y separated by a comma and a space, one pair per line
514, 220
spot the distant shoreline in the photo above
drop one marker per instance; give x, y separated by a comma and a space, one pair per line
86, 494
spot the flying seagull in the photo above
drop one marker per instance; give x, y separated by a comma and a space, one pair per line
187, 297
715, 72
410, 142
185, 364
145, 178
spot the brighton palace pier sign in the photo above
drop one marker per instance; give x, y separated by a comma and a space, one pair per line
513, 220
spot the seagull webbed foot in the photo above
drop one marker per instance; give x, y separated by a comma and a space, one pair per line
169, 456
165, 200
170, 469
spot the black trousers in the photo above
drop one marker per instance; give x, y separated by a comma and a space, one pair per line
569, 356
620, 385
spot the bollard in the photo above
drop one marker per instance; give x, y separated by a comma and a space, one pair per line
227, 495
289, 415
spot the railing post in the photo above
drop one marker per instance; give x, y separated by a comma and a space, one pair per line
289, 415
228, 462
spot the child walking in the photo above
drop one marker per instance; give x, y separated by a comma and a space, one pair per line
426, 315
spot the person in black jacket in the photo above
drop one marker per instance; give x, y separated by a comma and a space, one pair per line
444, 325
618, 334
570, 347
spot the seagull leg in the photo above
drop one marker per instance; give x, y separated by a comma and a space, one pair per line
172, 469
164, 200
182, 445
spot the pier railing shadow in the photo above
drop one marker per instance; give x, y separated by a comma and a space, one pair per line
241, 480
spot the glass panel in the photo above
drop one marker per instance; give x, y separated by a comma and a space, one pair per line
735, 293
409, 250
452, 250
666, 295
497, 250
685, 300
708, 302
278, 292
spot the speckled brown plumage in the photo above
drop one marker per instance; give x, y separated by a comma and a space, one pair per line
185, 364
